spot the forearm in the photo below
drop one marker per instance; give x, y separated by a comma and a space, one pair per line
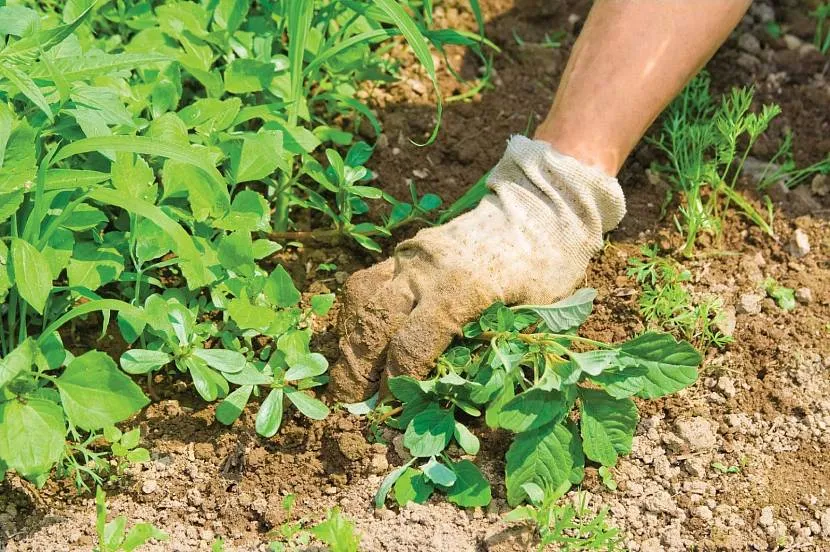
631, 59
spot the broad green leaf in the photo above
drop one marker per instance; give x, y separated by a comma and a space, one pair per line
621, 383
232, 406
429, 432
407, 389
412, 486
307, 366
229, 14
208, 382
31, 435
141, 361
222, 359
388, 481
95, 64
210, 115
236, 253
18, 161
133, 176
671, 365
321, 304
18, 361
294, 345
438, 473
280, 289
243, 76
466, 439
26, 86
269, 417
541, 456
31, 274
93, 265
338, 532
18, 20
534, 408
140, 534
307, 404
58, 251
595, 362
131, 438
249, 212
568, 313
607, 425
251, 316
470, 489
96, 394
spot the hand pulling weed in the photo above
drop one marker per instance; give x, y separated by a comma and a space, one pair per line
567, 400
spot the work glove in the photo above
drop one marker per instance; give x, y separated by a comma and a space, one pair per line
527, 243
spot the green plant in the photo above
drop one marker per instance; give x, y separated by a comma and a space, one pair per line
525, 370
706, 145
336, 531
822, 36
665, 302
569, 526
113, 535
784, 297
788, 172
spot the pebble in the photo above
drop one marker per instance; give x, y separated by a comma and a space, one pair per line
417, 86
727, 322
766, 519
820, 185
749, 43
379, 464
825, 523
150, 486
726, 385
661, 502
703, 513
749, 303
799, 244
792, 42
697, 432
764, 13
804, 295
748, 61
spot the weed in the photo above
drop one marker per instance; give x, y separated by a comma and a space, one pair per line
784, 297
525, 369
787, 171
821, 40
570, 526
706, 146
113, 535
666, 303
336, 531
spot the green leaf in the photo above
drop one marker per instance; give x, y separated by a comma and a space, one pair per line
321, 304
466, 439
300, 15
232, 406
541, 456
223, 360
269, 417
534, 408
607, 425
671, 365
141, 361
307, 366
96, 394
388, 481
236, 253
438, 473
93, 265
130, 439
27, 87
256, 156
209, 383
568, 313
243, 76
412, 486
249, 212
429, 432
251, 316
470, 489
595, 362
31, 435
230, 14
306, 404
623, 383
140, 534
337, 532
18, 361
133, 176
31, 274
280, 290
18, 156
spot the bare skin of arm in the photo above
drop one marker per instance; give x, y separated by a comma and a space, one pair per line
530, 241
631, 58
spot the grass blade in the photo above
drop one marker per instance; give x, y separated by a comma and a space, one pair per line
299, 24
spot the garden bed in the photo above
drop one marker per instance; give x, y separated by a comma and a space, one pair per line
741, 460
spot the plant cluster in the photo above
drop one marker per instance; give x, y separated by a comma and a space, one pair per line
152, 157
821, 40
666, 303
113, 535
567, 399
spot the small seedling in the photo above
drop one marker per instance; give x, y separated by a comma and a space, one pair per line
666, 303
784, 297
336, 532
113, 535
526, 370
568, 526
821, 40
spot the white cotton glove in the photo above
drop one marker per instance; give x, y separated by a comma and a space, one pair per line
528, 243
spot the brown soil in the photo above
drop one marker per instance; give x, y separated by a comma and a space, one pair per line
765, 399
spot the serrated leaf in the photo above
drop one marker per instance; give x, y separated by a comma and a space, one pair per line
607, 425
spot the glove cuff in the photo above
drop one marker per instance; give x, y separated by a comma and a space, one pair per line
570, 188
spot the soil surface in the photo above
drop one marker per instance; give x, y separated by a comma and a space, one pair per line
762, 403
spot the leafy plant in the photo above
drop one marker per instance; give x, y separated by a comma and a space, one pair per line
784, 297
336, 531
568, 526
665, 302
788, 172
525, 369
113, 535
706, 145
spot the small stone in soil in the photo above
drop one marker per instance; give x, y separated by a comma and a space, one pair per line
799, 244
726, 385
766, 519
150, 486
697, 432
750, 303
804, 295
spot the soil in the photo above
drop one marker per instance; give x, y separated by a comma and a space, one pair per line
762, 403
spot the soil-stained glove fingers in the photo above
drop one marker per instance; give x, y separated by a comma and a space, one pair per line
373, 310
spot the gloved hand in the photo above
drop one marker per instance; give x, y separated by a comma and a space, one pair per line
528, 243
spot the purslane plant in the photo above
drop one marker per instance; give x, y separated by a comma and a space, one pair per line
567, 400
